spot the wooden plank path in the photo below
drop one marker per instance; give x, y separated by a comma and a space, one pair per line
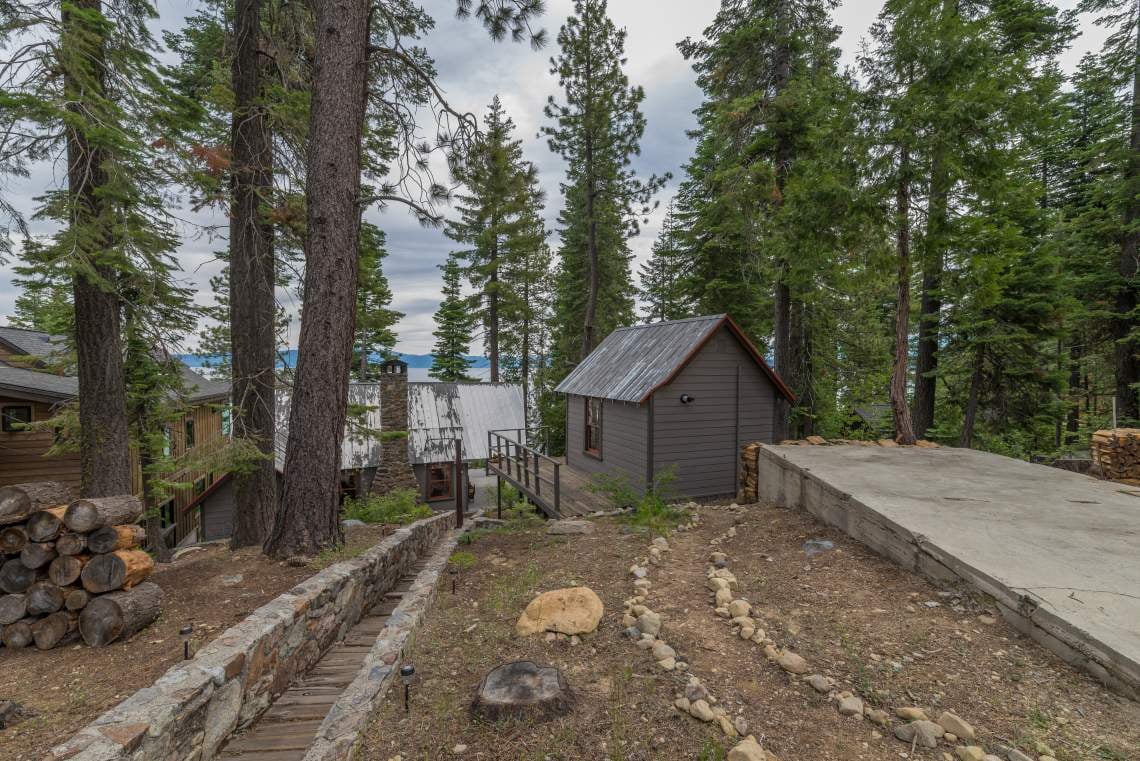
288, 728
575, 496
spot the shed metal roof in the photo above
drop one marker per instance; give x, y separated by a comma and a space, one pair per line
361, 445
631, 363
439, 413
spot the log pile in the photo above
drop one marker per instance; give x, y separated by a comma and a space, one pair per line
72, 569
1115, 454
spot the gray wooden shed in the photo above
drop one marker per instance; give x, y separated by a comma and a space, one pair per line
683, 394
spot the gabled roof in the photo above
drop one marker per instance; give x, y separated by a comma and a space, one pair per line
632, 363
37, 385
439, 413
361, 445
30, 342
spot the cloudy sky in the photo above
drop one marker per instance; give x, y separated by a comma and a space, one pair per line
472, 69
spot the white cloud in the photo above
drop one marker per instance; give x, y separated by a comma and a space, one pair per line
472, 69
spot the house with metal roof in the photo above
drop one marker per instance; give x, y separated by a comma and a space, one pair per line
677, 397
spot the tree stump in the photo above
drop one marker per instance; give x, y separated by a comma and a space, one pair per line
18, 500
15, 577
44, 597
111, 538
522, 689
13, 608
86, 515
44, 525
118, 615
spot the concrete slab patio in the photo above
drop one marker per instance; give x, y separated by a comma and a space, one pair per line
1058, 551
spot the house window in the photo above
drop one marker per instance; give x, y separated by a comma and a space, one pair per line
439, 481
593, 438
227, 426
166, 512
189, 434
167, 442
15, 417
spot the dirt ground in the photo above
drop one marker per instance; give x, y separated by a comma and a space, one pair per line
210, 589
878, 631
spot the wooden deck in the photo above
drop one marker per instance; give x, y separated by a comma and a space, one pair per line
574, 495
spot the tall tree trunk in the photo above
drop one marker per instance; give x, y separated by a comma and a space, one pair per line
1124, 321
930, 309
309, 517
782, 301
967, 438
104, 438
1073, 423
593, 280
904, 428
252, 302
493, 309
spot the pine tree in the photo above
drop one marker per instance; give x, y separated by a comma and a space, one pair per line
665, 287
454, 324
87, 94
375, 319
495, 213
597, 131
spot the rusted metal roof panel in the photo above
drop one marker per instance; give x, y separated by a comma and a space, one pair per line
361, 445
631, 362
439, 413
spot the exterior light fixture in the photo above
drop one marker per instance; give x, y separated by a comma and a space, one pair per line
407, 671
184, 634
453, 572
686, 399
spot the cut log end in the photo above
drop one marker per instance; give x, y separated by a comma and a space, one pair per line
119, 615
15, 577
121, 569
17, 500
56, 629
111, 538
19, 634
44, 597
86, 515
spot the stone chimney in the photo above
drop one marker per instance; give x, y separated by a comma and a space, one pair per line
395, 471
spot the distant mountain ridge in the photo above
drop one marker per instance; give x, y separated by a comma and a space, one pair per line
289, 359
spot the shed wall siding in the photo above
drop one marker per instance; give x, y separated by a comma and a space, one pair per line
218, 513
701, 440
625, 429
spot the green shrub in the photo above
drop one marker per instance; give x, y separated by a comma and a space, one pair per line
463, 560
397, 506
655, 508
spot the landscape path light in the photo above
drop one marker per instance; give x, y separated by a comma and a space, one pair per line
407, 671
185, 633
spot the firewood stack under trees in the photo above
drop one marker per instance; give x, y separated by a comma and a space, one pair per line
72, 569
1116, 454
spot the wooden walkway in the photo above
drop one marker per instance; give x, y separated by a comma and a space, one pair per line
288, 728
575, 496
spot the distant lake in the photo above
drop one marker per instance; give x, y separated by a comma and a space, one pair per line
418, 365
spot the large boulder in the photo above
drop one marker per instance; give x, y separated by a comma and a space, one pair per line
574, 610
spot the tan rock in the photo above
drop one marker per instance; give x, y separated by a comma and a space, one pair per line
575, 610
792, 662
970, 752
956, 725
724, 597
739, 608
877, 716
748, 750
726, 726
699, 709
911, 713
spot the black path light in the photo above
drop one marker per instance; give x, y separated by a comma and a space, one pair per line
185, 633
453, 572
407, 671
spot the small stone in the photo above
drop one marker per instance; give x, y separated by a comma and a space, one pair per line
876, 734
661, 651
701, 710
986, 619
645, 644
564, 527
661, 543
970, 752
461, 748
550, 636
723, 612
716, 557
877, 716
748, 750
950, 738
723, 597
759, 636
851, 706
956, 725
740, 608
1013, 754
819, 683
667, 663
632, 632
741, 725
991, 757
924, 734
642, 584
638, 572
628, 620
716, 584
746, 632
682, 704
911, 713
726, 726
731, 532
695, 691
649, 623
575, 640
1043, 749
792, 662
681, 666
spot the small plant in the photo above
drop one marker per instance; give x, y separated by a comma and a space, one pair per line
712, 750
397, 506
463, 560
655, 509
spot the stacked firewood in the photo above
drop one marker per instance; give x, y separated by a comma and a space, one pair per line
72, 569
1116, 453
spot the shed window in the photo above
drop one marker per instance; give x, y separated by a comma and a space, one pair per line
15, 417
439, 481
593, 439
189, 434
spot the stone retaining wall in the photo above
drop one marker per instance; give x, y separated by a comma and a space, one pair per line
192, 708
